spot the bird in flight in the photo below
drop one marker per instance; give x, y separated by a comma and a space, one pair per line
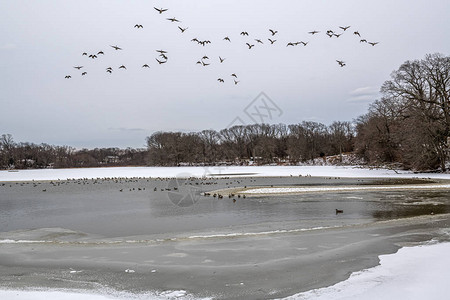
250, 46
304, 43
78, 67
234, 75
173, 20
84, 73
146, 66
337, 35
100, 52
363, 41
344, 27
236, 82
313, 32
341, 63
220, 80
161, 10
93, 56
84, 53
205, 64
273, 32
221, 59
122, 67
116, 47
373, 43
259, 41
357, 33
291, 44
67, 76
244, 33
160, 61
138, 26
164, 56
183, 29
161, 51
226, 39
272, 41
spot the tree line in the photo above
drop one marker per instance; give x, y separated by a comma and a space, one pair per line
37, 156
408, 127
258, 143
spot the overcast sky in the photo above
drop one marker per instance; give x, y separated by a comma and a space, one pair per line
41, 41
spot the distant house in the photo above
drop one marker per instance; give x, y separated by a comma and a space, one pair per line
111, 159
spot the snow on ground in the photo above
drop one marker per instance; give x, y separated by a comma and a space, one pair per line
413, 273
283, 190
326, 171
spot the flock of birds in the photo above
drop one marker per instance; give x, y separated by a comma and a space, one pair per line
162, 55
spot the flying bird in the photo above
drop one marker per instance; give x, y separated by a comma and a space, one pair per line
337, 35
160, 61
357, 33
304, 43
161, 10
313, 32
234, 75
78, 67
272, 41
172, 20
250, 46
205, 64
138, 26
290, 44
68, 76
164, 56
344, 27
236, 82
226, 39
220, 80
183, 29
146, 66
122, 67
340, 62
363, 41
221, 59
259, 41
205, 57
244, 33
84, 73
373, 43
93, 56
161, 51
84, 53
116, 47
100, 52
273, 32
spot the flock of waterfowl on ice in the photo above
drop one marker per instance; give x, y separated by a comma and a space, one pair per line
162, 56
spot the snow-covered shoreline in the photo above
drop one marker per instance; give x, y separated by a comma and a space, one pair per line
233, 171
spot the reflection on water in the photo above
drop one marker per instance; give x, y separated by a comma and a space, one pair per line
119, 207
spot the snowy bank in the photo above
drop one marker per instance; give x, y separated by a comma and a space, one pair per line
412, 273
325, 171
295, 190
